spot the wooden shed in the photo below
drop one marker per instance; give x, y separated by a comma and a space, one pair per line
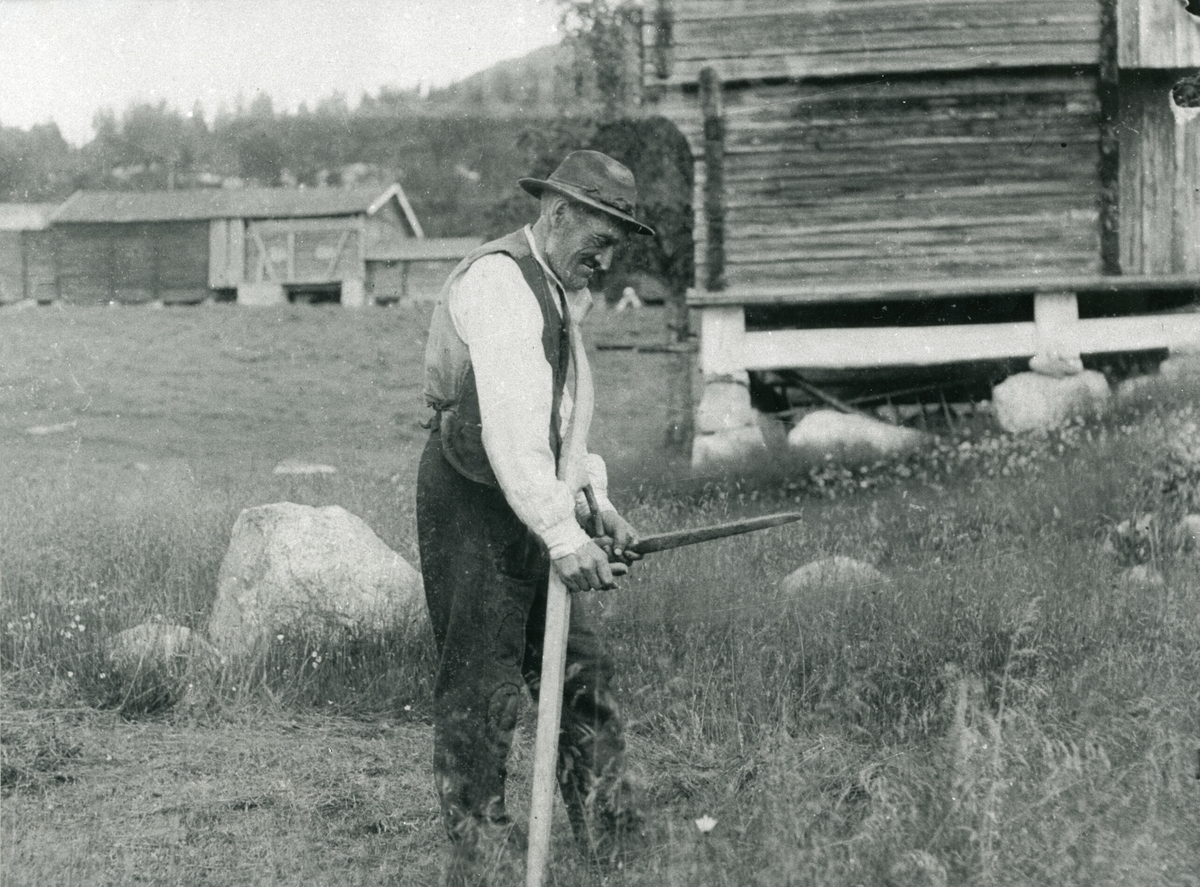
884, 184
26, 254
402, 270
188, 245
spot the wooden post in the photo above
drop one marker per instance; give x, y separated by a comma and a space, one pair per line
714, 179
664, 22
1108, 93
722, 334
679, 392
1056, 322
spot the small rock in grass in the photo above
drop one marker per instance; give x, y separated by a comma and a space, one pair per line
918, 868
833, 582
149, 645
1142, 577
1189, 533
156, 665
291, 466
43, 430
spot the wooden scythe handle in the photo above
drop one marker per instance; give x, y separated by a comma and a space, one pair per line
554, 646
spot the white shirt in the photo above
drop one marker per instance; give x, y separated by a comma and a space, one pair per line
497, 315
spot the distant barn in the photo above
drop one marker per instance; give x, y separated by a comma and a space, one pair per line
260, 246
26, 253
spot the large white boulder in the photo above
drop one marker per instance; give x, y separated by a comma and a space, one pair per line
1033, 402
317, 572
851, 437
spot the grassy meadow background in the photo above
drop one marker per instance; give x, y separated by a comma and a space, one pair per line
1007, 709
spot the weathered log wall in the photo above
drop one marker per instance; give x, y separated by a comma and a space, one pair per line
930, 176
763, 39
136, 262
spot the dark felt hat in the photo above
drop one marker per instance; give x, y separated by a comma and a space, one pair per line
596, 180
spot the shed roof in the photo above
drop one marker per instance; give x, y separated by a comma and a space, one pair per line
229, 203
25, 216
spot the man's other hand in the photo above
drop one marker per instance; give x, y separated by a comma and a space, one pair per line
622, 534
585, 569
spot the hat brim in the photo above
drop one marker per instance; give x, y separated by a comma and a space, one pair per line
536, 187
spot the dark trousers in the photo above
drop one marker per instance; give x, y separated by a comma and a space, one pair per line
485, 579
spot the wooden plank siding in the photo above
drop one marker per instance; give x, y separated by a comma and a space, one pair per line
41, 278
926, 177
1159, 177
132, 262
1157, 34
226, 253
746, 40
305, 251
12, 266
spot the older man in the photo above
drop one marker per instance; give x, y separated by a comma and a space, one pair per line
493, 517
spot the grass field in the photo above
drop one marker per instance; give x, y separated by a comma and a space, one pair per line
1006, 709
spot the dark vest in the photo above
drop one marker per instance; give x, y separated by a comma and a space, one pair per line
460, 424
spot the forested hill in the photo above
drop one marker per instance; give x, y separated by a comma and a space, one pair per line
457, 150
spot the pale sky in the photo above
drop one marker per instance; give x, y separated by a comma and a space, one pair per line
62, 60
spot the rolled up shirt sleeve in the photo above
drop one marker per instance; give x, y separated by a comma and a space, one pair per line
498, 317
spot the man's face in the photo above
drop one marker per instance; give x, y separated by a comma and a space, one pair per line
581, 241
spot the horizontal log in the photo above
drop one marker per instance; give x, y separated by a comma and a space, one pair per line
911, 246
882, 17
832, 196
694, 9
933, 83
914, 203
817, 229
936, 288
928, 346
798, 40
846, 64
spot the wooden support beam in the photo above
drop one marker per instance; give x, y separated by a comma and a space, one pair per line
866, 347
803, 292
1056, 317
714, 179
722, 341
337, 254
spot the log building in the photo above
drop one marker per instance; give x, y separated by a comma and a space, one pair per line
262, 245
1005, 175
